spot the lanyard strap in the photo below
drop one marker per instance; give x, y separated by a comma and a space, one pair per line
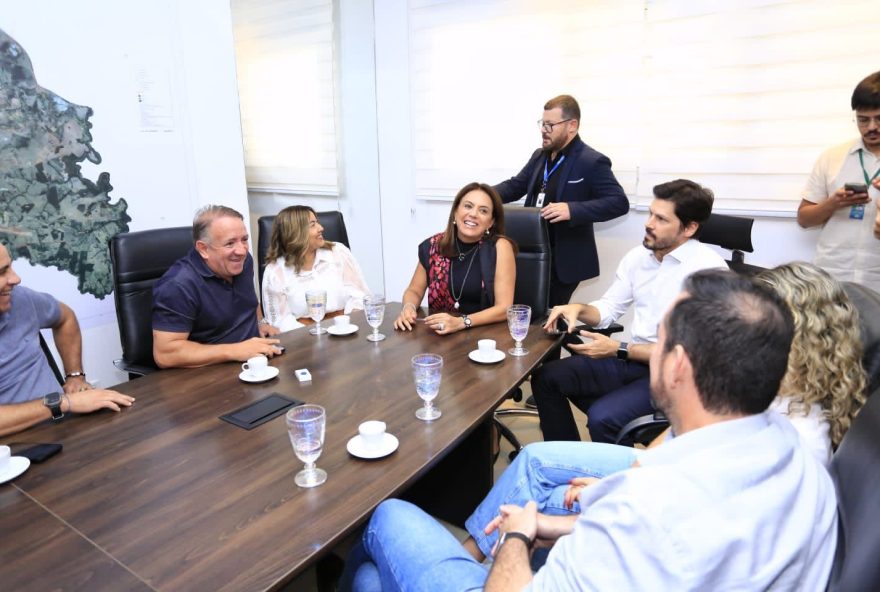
553, 170
861, 161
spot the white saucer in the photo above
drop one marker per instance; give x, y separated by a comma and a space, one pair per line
479, 359
334, 330
356, 447
15, 467
271, 372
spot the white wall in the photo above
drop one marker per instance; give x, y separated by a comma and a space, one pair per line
100, 53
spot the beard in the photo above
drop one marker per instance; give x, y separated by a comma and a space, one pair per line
659, 396
651, 242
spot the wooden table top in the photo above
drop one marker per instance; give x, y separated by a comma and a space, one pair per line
165, 495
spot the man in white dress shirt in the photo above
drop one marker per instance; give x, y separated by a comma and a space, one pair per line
730, 501
608, 379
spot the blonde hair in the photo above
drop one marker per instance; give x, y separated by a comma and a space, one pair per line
290, 236
825, 363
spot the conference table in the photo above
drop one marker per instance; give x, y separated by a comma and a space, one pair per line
166, 496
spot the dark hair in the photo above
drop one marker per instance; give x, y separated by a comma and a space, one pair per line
569, 106
447, 242
867, 93
290, 236
737, 335
206, 215
693, 202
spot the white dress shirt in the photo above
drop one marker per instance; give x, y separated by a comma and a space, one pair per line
335, 270
651, 286
847, 247
737, 505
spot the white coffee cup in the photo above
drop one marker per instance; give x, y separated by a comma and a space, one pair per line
5, 454
486, 348
372, 433
256, 366
342, 321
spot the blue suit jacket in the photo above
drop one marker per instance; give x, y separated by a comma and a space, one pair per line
592, 193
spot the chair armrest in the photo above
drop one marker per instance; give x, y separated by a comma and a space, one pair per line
131, 368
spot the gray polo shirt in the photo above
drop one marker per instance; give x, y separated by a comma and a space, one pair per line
24, 371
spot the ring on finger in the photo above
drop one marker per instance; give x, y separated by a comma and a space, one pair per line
440, 326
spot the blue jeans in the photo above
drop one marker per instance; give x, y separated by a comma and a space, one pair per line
541, 472
403, 548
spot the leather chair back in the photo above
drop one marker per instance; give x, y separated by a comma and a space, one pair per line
733, 233
139, 259
334, 230
855, 470
867, 301
533, 261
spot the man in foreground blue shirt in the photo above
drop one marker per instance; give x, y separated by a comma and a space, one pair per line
731, 501
205, 309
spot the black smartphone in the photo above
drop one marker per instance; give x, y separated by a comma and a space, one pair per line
40, 452
561, 326
856, 187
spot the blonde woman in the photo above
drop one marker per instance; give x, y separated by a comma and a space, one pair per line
824, 386
300, 260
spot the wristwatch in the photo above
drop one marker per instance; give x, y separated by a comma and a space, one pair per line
53, 402
263, 321
623, 351
467, 321
514, 535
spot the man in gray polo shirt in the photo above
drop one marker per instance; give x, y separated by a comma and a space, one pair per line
25, 374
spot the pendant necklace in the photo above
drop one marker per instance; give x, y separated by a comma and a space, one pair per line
461, 257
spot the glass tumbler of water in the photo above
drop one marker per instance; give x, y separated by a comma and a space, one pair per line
305, 426
317, 302
374, 309
518, 318
427, 370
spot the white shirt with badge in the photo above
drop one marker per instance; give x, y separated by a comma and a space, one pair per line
847, 247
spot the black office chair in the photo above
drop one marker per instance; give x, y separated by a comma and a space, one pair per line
855, 469
529, 231
139, 259
867, 301
334, 231
728, 232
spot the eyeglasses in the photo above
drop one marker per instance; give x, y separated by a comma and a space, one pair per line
865, 120
546, 126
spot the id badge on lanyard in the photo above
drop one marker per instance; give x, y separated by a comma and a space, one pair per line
539, 203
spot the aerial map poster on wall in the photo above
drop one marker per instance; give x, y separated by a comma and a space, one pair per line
50, 214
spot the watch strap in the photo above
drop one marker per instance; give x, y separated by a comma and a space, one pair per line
53, 402
515, 535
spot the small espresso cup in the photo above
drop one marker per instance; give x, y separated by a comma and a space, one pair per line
256, 366
341, 321
486, 348
372, 433
5, 455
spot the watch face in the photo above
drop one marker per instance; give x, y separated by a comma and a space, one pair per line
52, 399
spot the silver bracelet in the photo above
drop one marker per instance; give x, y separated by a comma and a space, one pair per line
414, 307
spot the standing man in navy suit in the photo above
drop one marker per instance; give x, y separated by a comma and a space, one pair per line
574, 187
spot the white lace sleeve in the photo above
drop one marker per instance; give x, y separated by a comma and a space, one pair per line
352, 280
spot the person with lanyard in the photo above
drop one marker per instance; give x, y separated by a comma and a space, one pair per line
842, 194
468, 271
574, 187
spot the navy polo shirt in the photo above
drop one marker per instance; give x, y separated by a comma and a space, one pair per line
191, 299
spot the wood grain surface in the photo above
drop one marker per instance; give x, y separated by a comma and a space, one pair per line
165, 495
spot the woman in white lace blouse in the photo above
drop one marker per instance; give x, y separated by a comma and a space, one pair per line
300, 260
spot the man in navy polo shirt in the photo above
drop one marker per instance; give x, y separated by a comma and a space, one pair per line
205, 309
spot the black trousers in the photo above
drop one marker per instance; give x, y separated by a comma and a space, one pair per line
611, 392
